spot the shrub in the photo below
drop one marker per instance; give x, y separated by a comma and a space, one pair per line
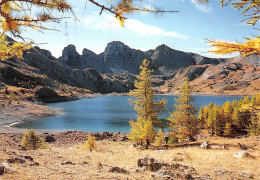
31, 140
91, 143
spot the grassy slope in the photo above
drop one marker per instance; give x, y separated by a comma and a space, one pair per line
121, 154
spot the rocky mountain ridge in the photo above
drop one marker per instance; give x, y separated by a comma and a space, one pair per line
116, 68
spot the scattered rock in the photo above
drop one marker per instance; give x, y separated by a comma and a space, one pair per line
223, 147
132, 146
205, 177
16, 159
241, 146
67, 162
22, 148
34, 164
243, 154
151, 164
7, 166
220, 171
49, 138
2, 169
84, 162
28, 157
246, 175
205, 145
99, 166
118, 170
176, 158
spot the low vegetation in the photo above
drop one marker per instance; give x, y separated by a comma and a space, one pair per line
31, 140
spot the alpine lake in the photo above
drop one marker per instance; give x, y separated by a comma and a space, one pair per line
107, 113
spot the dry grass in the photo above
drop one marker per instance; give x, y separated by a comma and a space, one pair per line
86, 163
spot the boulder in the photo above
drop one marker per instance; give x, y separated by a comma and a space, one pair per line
34, 164
151, 164
223, 147
7, 167
220, 171
67, 163
205, 145
16, 159
118, 170
243, 154
49, 138
2, 169
244, 175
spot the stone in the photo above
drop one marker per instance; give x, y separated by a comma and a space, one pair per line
176, 158
84, 162
99, 166
67, 163
2, 169
16, 159
220, 171
205, 145
22, 148
242, 146
49, 139
243, 154
151, 164
223, 147
118, 170
28, 158
7, 166
34, 164
132, 146
249, 176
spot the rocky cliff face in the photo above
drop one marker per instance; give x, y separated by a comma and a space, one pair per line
121, 59
116, 68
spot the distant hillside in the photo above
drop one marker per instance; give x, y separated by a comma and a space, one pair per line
115, 69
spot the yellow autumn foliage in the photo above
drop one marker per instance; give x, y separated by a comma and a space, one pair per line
250, 47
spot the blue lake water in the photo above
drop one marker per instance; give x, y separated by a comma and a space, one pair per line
106, 113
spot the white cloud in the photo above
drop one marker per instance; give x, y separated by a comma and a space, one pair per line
202, 7
106, 22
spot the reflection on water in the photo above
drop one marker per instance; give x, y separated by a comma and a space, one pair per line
107, 113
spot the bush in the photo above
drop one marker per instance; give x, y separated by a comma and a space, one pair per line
91, 143
31, 140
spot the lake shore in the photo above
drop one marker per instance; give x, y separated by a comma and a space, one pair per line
15, 114
26, 111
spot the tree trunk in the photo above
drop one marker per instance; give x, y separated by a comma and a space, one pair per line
147, 144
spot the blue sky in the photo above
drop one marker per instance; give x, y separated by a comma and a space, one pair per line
185, 31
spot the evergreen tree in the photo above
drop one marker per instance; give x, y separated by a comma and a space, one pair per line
146, 106
201, 117
183, 121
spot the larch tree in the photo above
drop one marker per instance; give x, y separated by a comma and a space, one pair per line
250, 9
17, 15
183, 121
146, 106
